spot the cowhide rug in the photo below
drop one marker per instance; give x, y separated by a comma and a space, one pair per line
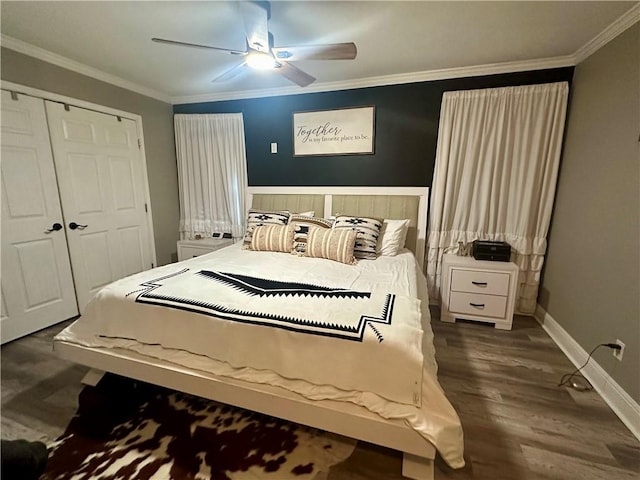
129, 430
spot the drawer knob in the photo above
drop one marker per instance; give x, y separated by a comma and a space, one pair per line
477, 305
479, 284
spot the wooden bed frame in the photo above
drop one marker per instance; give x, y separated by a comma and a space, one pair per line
338, 417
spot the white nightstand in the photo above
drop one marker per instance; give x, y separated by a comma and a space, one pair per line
194, 248
478, 290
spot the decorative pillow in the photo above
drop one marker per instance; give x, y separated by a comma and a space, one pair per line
368, 229
301, 225
392, 237
331, 244
257, 218
272, 238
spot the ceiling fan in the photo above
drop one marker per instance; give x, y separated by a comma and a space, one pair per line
261, 53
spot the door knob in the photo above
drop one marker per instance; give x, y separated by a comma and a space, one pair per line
54, 228
74, 225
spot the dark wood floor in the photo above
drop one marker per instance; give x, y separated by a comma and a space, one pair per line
518, 424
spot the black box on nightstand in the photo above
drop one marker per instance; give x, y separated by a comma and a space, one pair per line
490, 250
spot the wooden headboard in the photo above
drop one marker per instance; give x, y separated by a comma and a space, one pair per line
381, 202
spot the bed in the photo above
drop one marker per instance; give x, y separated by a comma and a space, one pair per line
407, 411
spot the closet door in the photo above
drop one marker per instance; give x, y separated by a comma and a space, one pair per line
103, 189
37, 285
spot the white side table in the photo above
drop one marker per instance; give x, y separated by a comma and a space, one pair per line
194, 248
478, 290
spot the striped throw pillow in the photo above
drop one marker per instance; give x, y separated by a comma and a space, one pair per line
331, 244
302, 225
368, 229
256, 218
272, 238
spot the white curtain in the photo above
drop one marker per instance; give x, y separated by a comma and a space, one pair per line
212, 174
495, 176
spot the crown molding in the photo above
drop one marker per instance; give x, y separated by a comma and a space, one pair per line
425, 76
64, 62
625, 21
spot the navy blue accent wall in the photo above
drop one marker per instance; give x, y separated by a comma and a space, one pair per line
406, 131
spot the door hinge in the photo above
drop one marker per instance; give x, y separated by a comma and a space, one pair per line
145, 208
139, 144
152, 265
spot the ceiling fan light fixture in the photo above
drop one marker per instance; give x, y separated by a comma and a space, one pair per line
261, 54
261, 60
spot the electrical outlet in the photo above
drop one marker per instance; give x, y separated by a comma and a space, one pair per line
618, 353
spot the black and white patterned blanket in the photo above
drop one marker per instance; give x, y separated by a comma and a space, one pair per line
303, 326
298, 307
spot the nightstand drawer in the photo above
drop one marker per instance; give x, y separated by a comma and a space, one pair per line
478, 290
473, 304
190, 252
471, 281
194, 248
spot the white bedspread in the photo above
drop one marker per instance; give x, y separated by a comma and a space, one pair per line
386, 364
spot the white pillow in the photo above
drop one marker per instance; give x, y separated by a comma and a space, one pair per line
392, 237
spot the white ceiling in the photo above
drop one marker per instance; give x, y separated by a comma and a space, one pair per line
397, 41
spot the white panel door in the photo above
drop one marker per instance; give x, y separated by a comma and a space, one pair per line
103, 190
37, 284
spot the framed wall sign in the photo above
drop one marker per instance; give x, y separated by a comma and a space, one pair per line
347, 131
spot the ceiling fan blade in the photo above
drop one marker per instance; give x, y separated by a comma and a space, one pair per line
196, 45
256, 17
231, 73
294, 74
329, 51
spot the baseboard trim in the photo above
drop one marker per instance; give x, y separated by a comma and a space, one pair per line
625, 407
